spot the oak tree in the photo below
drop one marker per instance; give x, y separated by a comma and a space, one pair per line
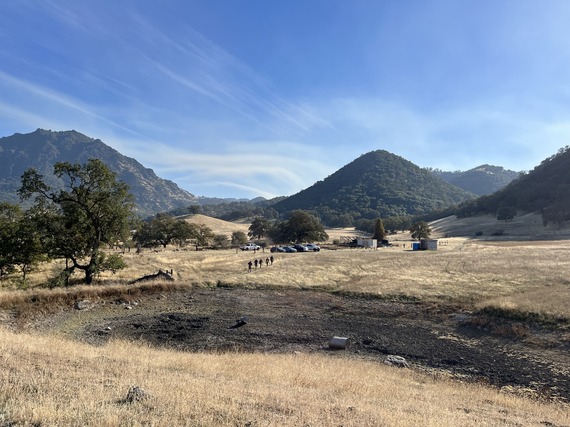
92, 208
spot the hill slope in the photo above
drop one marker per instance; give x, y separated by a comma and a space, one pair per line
545, 188
482, 180
218, 226
42, 148
376, 184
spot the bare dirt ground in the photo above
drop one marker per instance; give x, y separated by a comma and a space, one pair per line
437, 339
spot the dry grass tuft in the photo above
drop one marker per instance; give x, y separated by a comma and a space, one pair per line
51, 381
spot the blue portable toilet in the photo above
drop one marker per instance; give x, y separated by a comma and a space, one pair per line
416, 246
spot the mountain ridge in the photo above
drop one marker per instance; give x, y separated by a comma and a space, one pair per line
480, 180
42, 148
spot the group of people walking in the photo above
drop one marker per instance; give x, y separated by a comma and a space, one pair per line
259, 263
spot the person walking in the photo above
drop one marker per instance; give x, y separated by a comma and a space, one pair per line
271, 259
249, 266
267, 261
260, 263
255, 262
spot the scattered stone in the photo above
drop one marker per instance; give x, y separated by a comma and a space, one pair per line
83, 304
339, 343
239, 322
136, 394
128, 307
397, 361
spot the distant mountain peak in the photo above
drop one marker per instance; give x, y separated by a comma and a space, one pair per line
480, 180
43, 148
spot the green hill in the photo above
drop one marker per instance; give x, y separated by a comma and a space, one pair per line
377, 184
482, 180
545, 189
42, 148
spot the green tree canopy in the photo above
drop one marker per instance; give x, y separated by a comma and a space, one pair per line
163, 230
420, 230
259, 228
91, 209
506, 213
238, 238
379, 232
10, 217
202, 234
300, 227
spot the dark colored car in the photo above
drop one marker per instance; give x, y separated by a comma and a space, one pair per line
301, 248
289, 249
278, 249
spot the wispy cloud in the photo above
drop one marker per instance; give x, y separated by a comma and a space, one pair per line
59, 100
268, 168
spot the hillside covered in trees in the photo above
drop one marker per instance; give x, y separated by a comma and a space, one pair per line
43, 148
482, 180
545, 189
377, 184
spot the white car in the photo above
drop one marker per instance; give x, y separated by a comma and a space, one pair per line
250, 247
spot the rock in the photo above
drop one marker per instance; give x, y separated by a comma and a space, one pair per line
82, 305
128, 307
239, 322
136, 394
338, 343
397, 361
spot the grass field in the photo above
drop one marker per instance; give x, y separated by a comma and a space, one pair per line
527, 275
50, 381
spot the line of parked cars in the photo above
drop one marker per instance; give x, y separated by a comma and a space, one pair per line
307, 247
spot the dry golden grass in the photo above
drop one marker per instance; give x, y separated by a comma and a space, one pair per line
217, 225
526, 275
463, 271
49, 381
46, 380
523, 227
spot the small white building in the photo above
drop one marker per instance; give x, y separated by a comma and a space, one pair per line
428, 244
367, 243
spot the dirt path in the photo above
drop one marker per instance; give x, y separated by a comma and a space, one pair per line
305, 321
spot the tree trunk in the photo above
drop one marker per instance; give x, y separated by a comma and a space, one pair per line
89, 276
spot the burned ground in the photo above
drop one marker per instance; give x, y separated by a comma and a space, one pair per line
435, 339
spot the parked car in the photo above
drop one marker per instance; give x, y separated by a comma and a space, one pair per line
277, 249
301, 248
312, 247
250, 247
289, 249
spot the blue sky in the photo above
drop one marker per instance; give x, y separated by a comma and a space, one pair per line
246, 98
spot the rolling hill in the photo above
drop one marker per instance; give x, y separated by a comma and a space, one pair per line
545, 189
42, 148
482, 180
377, 184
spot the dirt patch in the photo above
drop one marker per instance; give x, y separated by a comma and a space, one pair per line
434, 339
